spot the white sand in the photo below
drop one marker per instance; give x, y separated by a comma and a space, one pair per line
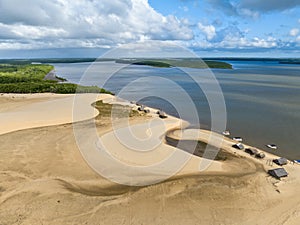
43, 110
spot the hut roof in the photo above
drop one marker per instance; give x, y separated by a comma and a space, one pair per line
251, 151
278, 173
260, 155
281, 161
238, 146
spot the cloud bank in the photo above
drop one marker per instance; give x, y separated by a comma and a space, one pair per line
90, 24
85, 23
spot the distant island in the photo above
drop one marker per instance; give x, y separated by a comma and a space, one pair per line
166, 63
290, 61
38, 78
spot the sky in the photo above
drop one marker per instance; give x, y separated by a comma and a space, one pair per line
209, 28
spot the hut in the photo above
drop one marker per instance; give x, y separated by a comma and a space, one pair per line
280, 161
238, 146
260, 155
278, 173
251, 151
141, 108
162, 114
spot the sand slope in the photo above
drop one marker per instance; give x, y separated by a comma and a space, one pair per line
45, 180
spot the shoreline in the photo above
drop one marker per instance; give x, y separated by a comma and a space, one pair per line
60, 101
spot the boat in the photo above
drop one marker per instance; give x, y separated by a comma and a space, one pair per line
273, 146
226, 133
237, 139
162, 114
297, 161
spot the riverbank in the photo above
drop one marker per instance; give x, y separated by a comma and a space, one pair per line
44, 178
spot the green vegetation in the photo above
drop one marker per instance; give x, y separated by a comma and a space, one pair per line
46, 86
218, 65
55, 60
290, 61
8, 68
167, 63
153, 63
61, 79
23, 73
120, 111
144, 62
188, 63
29, 78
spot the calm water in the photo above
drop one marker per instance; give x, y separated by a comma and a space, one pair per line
262, 98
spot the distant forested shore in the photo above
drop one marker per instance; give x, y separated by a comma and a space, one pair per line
176, 62
30, 78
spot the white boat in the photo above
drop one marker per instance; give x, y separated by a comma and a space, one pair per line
237, 139
226, 133
273, 146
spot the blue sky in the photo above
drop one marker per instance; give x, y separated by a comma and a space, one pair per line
210, 28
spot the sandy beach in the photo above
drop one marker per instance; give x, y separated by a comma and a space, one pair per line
46, 179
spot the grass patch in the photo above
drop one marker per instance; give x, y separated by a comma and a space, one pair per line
23, 73
119, 111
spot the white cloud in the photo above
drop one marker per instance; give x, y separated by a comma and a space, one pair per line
294, 32
208, 30
94, 23
249, 13
232, 37
240, 43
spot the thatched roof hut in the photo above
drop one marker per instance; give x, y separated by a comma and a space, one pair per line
260, 155
251, 151
141, 108
238, 146
278, 173
162, 114
280, 161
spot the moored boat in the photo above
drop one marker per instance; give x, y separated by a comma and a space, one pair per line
237, 139
226, 133
273, 146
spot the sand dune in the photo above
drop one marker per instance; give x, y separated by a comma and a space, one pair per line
45, 180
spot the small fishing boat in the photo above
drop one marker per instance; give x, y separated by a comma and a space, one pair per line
237, 139
226, 133
297, 161
273, 146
